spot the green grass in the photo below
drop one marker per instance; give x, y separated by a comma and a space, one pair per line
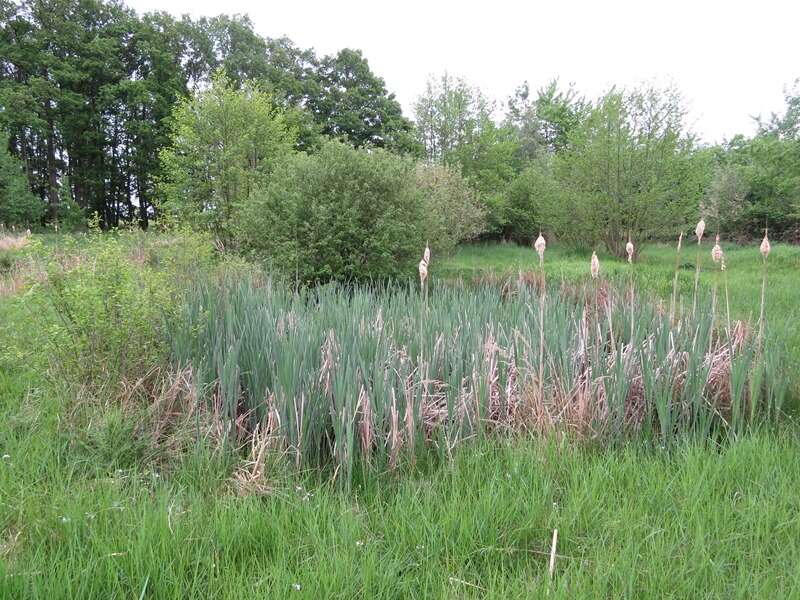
83, 515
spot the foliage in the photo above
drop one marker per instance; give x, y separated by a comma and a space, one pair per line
528, 195
341, 214
70, 216
452, 211
110, 313
454, 123
628, 171
724, 204
226, 142
449, 115
543, 124
17, 205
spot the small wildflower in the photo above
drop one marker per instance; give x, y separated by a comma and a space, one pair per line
65, 519
297, 587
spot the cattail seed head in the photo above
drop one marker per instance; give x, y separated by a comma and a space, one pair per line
765, 247
629, 250
540, 244
716, 251
423, 271
426, 256
700, 229
595, 266
680, 241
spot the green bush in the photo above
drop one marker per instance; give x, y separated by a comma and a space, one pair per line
532, 190
110, 314
17, 205
453, 212
340, 214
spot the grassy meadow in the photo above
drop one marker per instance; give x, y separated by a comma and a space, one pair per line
120, 474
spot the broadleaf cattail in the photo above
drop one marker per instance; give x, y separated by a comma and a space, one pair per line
595, 265
427, 254
700, 229
541, 245
629, 250
423, 271
765, 247
716, 251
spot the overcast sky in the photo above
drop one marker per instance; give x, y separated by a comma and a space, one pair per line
731, 60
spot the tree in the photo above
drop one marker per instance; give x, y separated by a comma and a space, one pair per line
627, 170
17, 205
543, 123
454, 123
352, 103
339, 214
448, 115
226, 141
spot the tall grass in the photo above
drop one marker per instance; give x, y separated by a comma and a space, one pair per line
353, 378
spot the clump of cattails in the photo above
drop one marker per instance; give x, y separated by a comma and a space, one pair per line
594, 266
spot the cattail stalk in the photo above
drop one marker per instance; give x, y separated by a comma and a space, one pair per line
765, 250
698, 231
540, 246
673, 303
630, 249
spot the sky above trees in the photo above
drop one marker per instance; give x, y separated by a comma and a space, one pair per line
731, 59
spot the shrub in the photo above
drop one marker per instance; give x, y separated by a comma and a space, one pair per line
453, 213
110, 315
17, 205
341, 214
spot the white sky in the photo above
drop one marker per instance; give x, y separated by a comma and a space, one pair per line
730, 59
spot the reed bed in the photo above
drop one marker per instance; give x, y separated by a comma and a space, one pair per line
365, 377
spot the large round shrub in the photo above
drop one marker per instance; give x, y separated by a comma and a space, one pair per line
340, 214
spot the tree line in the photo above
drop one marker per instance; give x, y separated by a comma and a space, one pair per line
124, 115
